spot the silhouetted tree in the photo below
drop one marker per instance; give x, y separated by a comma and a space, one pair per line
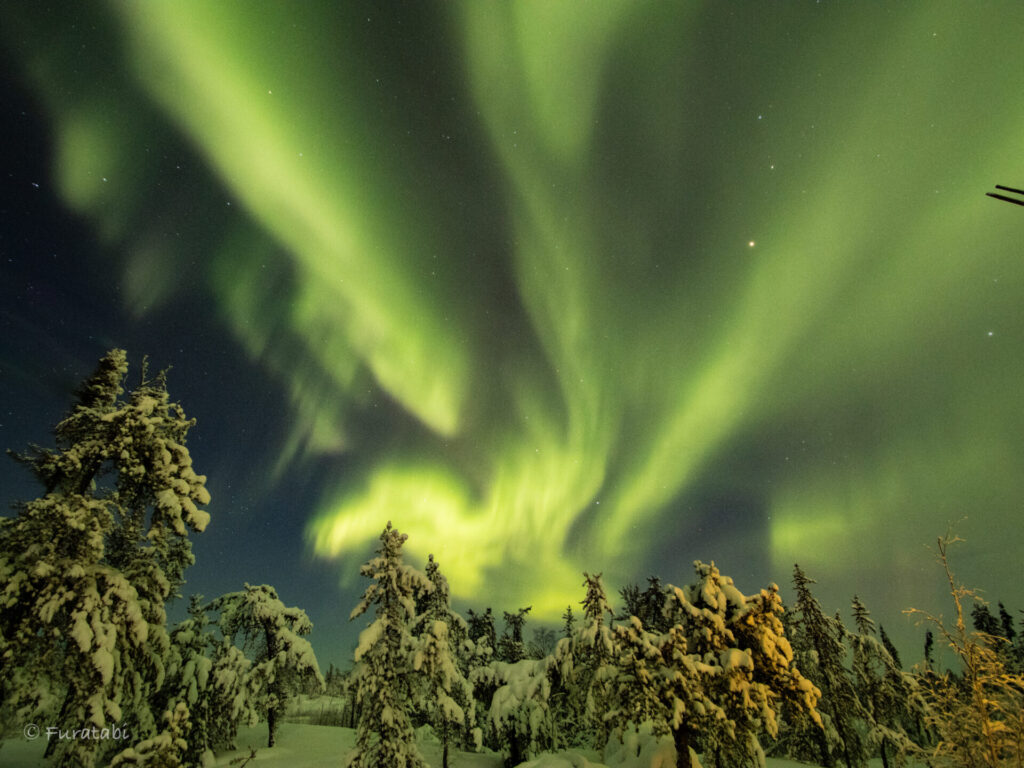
510, 646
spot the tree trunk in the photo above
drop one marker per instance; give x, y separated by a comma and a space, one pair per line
515, 751
274, 689
51, 744
885, 758
271, 725
826, 755
681, 737
444, 756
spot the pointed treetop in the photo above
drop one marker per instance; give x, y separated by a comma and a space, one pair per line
595, 604
101, 390
862, 616
800, 579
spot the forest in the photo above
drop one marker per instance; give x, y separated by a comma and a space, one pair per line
695, 675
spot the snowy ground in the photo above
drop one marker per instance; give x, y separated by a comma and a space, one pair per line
319, 746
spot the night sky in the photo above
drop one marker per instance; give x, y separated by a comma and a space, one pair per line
604, 286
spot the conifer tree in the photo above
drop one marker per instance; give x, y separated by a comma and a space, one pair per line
820, 655
652, 606
1006, 624
581, 660
890, 647
887, 696
86, 569
742, 639
983, 619
648, 605
481, 630
231, 700
189, 682
718, 677
167, 749
447, 695
384, 668
283, 658
630, 595
482, 650
511, 647
657, 679
520, 713
568, 622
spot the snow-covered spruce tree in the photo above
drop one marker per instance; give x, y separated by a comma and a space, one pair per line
742, 640
480, 652
167, 749
657, 680
444, 695
979, 718
481, 629
188, 682
283, 659
888, 696
383, 675
520, 714
85, 570
231, 702
580, 660
821, 656
209, 678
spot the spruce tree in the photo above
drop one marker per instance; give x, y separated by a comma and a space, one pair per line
511, 647
887, 696
86, 569
568, 622
384, 674
630, 595
818, 641
481, 630
652, 606
231, 699
283, 658
647, 605
584, 658
983, 619
890, 647
750, 671
189, 681
1006, 625
446, 695
656, 679
520, 713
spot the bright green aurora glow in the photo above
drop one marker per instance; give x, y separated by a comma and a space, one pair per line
606, 279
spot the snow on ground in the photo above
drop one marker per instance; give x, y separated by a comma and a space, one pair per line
315, 746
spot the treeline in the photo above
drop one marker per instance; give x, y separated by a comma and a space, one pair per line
730, 676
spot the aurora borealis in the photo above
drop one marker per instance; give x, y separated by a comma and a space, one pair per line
555, 287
